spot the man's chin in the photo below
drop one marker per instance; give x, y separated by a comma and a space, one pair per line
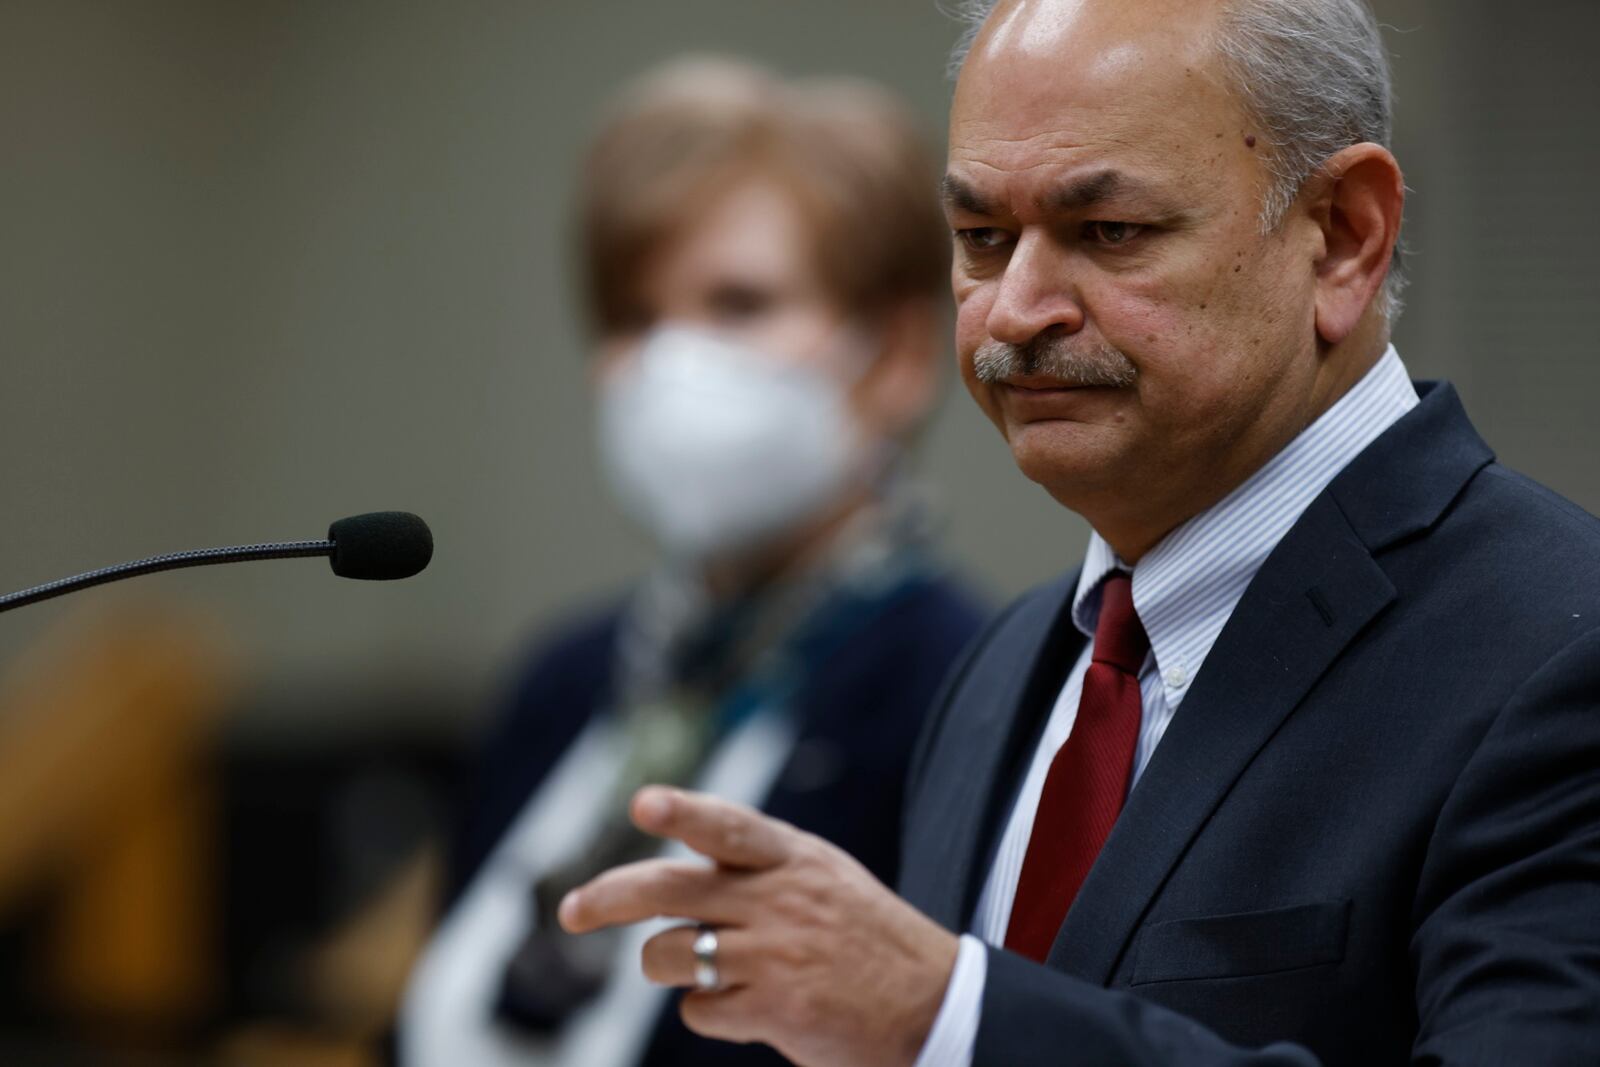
1072, 461
1066, 443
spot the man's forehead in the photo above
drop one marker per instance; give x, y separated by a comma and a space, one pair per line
1059, 158
1055, 91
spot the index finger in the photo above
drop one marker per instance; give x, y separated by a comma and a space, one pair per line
731, 834
681, 889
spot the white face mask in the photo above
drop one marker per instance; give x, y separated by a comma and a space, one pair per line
715, 447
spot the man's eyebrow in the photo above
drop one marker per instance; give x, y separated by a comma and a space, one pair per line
1090, 190
963, 197
1076, 195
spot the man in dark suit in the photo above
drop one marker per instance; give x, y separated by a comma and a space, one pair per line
1300, 766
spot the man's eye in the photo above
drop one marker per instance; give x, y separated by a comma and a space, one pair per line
1112, 234
982, 238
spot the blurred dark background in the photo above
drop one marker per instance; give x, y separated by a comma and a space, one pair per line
266, 264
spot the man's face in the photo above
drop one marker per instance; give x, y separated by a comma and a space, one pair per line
1121, 318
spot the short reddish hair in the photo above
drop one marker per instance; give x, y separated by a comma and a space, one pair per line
845, 149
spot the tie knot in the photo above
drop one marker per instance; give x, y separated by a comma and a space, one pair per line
1119, 637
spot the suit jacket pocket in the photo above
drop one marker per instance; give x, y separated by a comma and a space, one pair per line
1250, 943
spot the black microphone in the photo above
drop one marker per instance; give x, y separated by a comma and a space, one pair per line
378, 546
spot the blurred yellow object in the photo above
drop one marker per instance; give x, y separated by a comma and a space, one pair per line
360, 971
106, 800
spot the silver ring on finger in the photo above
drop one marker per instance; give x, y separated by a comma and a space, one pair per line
707, 979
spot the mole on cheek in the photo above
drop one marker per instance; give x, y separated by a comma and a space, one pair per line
1250, 141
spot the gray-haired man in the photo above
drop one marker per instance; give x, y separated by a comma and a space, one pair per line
1299, 766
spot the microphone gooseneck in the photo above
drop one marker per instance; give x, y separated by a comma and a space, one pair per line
171, 561
383, 545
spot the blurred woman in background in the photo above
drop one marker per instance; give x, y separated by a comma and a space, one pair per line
765, 263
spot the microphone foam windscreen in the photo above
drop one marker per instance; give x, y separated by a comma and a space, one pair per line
380, 545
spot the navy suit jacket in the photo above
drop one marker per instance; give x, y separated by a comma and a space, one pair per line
1370, 836
858, 719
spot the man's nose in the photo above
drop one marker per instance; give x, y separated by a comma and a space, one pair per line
1036, 294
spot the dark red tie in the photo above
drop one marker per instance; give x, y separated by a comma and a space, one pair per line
1088, 777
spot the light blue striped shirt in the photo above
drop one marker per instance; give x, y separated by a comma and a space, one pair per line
1184, 590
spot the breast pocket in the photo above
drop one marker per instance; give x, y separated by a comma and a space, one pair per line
1249, 943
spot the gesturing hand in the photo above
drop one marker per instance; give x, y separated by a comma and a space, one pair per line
816, 957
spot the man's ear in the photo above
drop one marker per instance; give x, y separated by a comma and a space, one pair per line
899, 389
1357, 201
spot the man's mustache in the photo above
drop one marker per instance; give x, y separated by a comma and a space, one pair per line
1067, 359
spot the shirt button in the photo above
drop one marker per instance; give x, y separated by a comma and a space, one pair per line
1175, 677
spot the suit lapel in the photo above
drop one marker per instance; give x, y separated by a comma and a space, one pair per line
1317, 590
1314, 595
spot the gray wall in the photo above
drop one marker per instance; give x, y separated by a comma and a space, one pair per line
265, 264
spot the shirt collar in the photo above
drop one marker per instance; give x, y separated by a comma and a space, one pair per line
1186, 587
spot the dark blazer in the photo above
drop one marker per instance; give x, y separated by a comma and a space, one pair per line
1371, 835
858, 719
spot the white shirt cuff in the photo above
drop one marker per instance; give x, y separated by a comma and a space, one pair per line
955, 1029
